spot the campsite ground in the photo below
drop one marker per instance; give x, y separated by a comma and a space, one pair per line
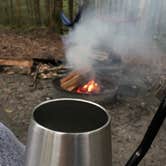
130, 115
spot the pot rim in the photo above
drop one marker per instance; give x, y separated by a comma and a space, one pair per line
108, 122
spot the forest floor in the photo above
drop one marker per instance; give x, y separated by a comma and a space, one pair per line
130, 115
35, 43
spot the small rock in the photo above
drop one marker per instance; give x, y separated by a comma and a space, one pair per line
142, 104
8, 110
48, 98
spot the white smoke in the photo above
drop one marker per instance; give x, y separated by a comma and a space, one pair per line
126, 27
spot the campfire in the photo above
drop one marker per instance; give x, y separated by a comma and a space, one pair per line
98, 84
89, 88
91, 84
80, 83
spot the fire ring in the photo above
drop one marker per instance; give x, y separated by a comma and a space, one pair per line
107, 96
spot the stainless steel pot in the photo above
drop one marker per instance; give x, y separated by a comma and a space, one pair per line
69, 132
76, 132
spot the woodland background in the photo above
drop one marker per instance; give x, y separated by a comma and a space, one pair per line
35, 13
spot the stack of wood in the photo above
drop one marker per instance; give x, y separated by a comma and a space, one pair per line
73, 80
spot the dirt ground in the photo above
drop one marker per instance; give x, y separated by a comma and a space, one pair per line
130, 117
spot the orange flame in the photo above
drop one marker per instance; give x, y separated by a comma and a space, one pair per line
89, 88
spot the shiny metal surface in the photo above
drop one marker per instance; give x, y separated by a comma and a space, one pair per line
69, 132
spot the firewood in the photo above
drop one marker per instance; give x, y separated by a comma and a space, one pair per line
73, 73
68, 77
72, 83
74, 79
70, 89
19, 63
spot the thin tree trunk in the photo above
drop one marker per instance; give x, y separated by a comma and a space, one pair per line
18, 12
71, 8
11, 12
7, 12
28, 7
56, 24
48, 12
37, 12
31, 8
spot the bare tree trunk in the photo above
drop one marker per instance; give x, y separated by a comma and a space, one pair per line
11, 12
28, 7
18, 12
37, 12
56, 24
71, 8
7, 13
31, 9
48, 12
